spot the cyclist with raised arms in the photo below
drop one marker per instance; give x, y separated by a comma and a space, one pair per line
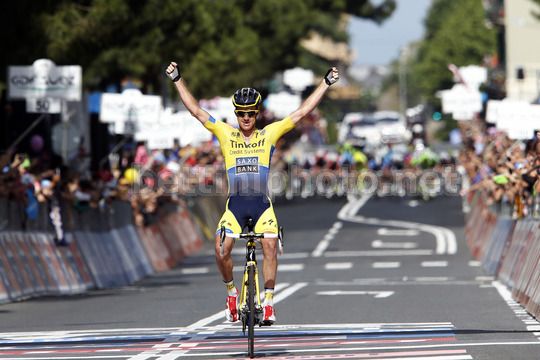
247, 152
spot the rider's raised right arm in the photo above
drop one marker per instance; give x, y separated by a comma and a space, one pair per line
185, 95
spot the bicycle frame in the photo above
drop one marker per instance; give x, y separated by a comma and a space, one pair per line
251, 239
250, 308
251, 261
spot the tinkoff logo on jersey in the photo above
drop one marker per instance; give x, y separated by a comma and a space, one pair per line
247, 165
242, 145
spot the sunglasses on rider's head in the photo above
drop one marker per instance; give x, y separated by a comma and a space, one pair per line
242, 113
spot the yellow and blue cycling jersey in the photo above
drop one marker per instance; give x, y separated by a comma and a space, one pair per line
248, 165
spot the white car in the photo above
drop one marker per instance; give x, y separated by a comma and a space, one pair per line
392, 127
359, 129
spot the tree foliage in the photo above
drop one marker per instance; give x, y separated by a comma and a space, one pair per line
22, 39
536, 12
220, 45
455, 34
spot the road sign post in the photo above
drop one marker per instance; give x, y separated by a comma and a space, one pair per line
46, 89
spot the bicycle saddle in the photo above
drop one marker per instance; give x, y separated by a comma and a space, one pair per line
249, 224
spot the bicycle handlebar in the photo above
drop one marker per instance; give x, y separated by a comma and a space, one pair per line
252, 235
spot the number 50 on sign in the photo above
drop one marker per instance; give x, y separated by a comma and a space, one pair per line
44, 105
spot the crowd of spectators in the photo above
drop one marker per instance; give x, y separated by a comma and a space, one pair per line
39, 179
146, 177
507, 172
142, 177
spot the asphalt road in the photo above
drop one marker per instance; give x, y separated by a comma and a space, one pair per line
369, 279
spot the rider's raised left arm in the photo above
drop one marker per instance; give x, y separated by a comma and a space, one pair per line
316, 96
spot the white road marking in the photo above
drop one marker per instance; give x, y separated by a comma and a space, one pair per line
441, 263
368, 326
386, 265
475, 263
413, 203
338, 266
531, 323
78, 333
173, 355
289, 291
290, 267
484, 278
325, 242
405, 281
195, 270
333, 231
377, 294
438, 357
280, 296
379, 244
445, 238
368, 253
74, 357
372, 348
154, 352
237, 268
235, 251
397, 232
321, 247
352, 207
298, 255
432, 278
242, 251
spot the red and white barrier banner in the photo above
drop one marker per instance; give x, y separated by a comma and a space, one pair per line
171, 239
81, 280
187, 225
31, 267
101, 255
508, 249
53, 264
135, 259
3, 292
479, 227
527, 281
36, 250
31, 264
515, 252
493, 253
17, 265
156, 248
9, 276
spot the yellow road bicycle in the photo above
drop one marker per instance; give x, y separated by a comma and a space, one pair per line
250, 308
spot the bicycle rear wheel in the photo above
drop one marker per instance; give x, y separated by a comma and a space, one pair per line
251, 311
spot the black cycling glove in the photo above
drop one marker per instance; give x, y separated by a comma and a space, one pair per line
328, 78
174, 75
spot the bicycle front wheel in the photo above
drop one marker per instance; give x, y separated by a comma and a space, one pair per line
251, 311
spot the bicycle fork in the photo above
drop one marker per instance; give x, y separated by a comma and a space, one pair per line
244, 310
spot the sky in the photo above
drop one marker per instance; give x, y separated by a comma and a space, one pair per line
380, 44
